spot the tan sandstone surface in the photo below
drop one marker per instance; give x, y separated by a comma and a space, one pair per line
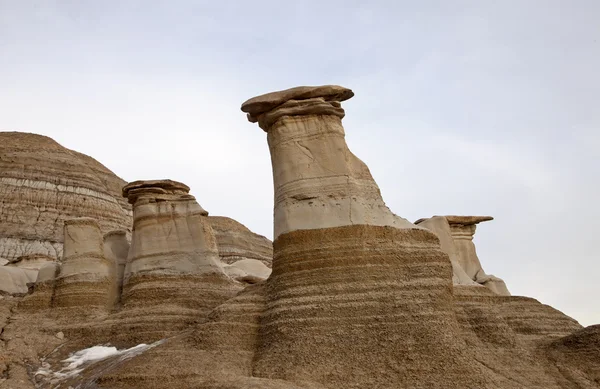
42, 185
456, 239
357, 296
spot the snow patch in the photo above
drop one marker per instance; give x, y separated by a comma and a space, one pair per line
82, 359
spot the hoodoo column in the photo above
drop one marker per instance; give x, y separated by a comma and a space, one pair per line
318, 182
173, 276
350, 279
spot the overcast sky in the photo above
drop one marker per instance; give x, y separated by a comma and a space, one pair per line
461, 107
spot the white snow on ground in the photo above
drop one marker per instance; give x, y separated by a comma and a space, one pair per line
81, 359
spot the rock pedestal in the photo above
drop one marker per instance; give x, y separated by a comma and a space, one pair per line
456, 237
86, 277
462, 229
173, 274
318, 182
350, 279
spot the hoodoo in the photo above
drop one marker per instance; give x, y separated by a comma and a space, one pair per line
318, 182
456, 238
348, 274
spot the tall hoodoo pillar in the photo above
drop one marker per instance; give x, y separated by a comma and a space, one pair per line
349, 277
318, 182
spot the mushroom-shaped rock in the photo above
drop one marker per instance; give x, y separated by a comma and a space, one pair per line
348, 274
439, 226
171, 234
318, 181
173, 274
456, 237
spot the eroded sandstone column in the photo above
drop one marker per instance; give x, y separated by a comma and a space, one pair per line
358, 296
456, 238
173, 274
86, 277
462, 229
318, 182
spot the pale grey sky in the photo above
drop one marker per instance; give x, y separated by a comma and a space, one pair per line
461, 107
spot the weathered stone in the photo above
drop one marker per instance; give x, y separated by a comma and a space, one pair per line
456, 239
14, 280
248, 270
319, 183
439, 226
173, 276
42, 184
258, 105
43, 290
331, 229
116, 249
235, 242
86, 277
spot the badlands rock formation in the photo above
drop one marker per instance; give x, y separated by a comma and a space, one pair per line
319, 183
173, 274
357, 298
42, 184
456, 240
86, 278
333, 231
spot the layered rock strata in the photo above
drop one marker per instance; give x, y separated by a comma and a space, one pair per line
348, 274
319, 183
42, 295
42, 184
173, 275
87, 278
350, 303
236, 242
456, 238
